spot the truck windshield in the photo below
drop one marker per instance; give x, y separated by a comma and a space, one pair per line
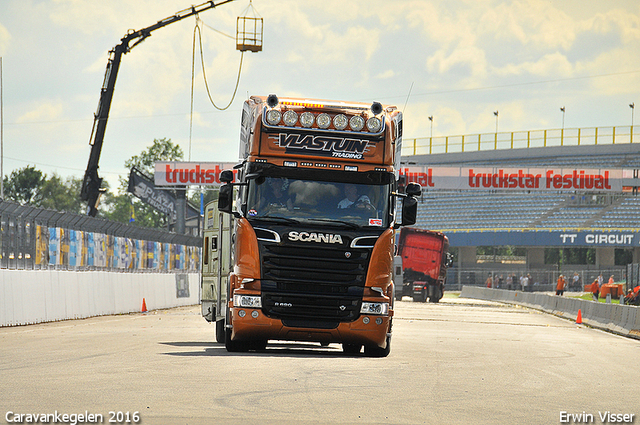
350, 204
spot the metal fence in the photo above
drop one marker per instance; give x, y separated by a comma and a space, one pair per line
522, 139
36, 238
540, 279
633, 276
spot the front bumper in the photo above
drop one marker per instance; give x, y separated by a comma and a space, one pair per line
254, 325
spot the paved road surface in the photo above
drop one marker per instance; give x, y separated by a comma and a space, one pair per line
457, 362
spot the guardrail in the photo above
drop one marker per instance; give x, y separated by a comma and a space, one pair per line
620, 319
60, 266
521, 139
35, 239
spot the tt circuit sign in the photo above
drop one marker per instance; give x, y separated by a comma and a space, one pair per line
546, 238
497, 178
599, 239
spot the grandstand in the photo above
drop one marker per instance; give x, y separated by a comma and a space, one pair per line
536, 219
471, 210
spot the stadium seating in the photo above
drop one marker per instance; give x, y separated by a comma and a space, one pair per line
504, 210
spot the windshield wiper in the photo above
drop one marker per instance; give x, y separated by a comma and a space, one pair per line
341, 222
275, 218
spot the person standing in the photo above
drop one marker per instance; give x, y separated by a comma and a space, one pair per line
562, 284
595, 289
576, 281
489, 281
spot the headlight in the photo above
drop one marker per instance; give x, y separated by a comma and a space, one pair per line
290, 118
306, 119
273, 116
247, 301
356, 123
374, 124
374, 308
323, 120
340, 122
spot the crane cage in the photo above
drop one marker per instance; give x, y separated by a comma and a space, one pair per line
35, 238
249, 31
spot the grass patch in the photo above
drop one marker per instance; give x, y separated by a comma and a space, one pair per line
589, 297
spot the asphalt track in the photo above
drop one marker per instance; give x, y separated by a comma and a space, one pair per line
458, 362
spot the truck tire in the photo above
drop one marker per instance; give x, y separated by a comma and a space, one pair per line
351, 348
375, 351
221, 335
437, 295
235, 346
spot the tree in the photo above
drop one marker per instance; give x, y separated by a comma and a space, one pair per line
118, 206
24, 185
61, 195
31, 186
161, 150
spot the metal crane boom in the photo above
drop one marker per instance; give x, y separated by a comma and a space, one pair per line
92, 183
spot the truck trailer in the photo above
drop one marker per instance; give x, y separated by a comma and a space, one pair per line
425, 259
300, 246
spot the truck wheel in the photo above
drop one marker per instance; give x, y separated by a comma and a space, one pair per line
235, 346
258, 345
351, 348
221, 335
420, 298
375, 351
436, 296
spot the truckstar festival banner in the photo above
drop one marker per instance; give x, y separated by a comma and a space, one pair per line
497, 178
190, 173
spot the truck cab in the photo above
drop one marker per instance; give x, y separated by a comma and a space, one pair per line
314, 215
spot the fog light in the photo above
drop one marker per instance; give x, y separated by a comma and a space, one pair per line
255, 314
242, 313
323, 120
374, 124
340, 122
290, 118
273, 116
356, 123
379, 321
306, 119
365, 320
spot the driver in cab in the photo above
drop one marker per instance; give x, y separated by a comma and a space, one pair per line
352, 200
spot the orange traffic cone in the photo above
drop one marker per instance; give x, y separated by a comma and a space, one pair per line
144, 306
579, 318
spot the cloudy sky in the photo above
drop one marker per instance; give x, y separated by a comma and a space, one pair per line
455, 60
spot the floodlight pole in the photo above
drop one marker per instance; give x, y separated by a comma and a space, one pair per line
562, 130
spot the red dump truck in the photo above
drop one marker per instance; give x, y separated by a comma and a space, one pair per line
425, 259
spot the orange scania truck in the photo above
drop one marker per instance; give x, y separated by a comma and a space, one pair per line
306, 223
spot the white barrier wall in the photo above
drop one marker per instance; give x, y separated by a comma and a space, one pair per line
620, 319
34, 296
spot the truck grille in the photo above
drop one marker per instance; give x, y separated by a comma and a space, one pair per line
312, 287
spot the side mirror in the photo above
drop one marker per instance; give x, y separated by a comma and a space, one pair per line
226, 176
409, 210
225, 196
449, 260
413, 189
